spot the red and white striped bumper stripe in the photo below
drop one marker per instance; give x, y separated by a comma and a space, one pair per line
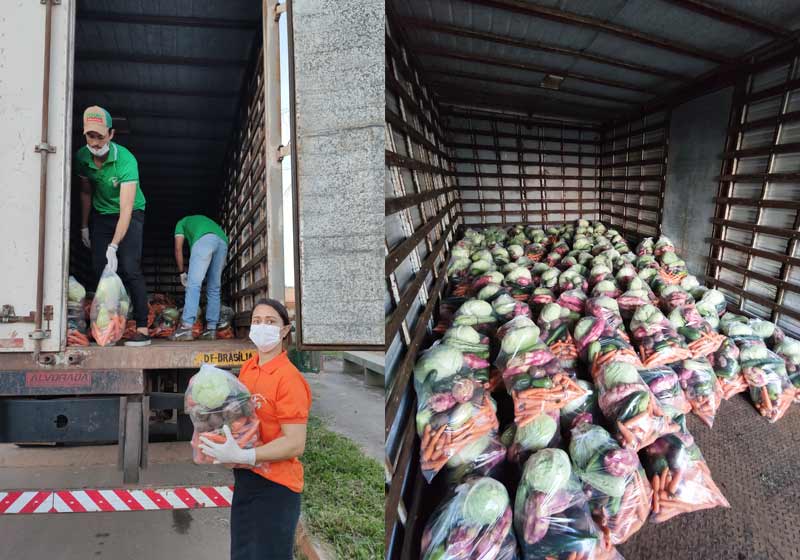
89, 500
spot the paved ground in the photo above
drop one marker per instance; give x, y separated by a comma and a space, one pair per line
347, 405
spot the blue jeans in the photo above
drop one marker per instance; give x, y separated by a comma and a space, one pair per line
206, 261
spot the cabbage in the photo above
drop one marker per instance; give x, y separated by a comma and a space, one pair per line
210, 387
463, 334
690, 283
671, 258
538, 433
482, 255
515, 251
648, 314
550, 312
620, 373
480, 267
76, 292
715, 297
520, 340
488, 291
504, 304
763, 329
458, 265
548, 470
607, 303
509, 267
460, 252
471, 453
476, 307
520, 273
485, 503
442, 361
753, 352
789, 347
589, 443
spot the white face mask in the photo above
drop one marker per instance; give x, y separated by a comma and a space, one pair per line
265, 337
99, 152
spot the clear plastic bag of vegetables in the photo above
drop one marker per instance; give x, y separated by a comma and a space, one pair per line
453, 408
477, 314
225, 324
725, 362
629, 405
680, 477
539, 298
556, 323
520, 283
656, 339
701, 387
607, 310
645, 247
637, 295
483, 457
216, 398
614, 480
765, 373
475, 349
607, 288
769, 332
666, 387
574, 300
474, 522
671, 297
165, 322
540, 433
506, 308
789, 350
582, 409
532, 374
109, 309
700, 337
551, 513
571, 279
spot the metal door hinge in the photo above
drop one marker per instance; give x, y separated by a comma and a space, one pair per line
45, 147
284, 151
8, 315
39, 335
53, 2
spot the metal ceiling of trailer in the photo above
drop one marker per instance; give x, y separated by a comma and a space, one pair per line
171, 74
614, 56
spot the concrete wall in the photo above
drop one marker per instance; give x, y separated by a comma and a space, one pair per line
698, 130
339, 104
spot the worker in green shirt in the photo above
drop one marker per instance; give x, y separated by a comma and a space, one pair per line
112, 198
208, 247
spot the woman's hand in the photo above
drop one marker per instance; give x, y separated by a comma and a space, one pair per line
228, 452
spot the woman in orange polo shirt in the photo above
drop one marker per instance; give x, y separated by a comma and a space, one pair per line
266, 498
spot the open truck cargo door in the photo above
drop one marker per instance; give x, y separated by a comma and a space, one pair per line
336, 99
35, 113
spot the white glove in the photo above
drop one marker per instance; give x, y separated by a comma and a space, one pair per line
184, 279
228, 452
85, 238
111, 257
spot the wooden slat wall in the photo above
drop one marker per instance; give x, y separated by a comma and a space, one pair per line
755, 253
421, 217
633, 174
243, 203
512, 169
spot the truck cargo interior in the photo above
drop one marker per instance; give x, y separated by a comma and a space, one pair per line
186, 94
672, 117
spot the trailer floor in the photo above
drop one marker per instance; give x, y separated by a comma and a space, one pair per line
757, 467
161, 354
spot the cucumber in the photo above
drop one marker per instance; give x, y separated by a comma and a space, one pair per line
557, 334
522, 382
542, 383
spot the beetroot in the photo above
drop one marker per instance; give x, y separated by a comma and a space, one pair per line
463, 390
620, 462
441, 402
